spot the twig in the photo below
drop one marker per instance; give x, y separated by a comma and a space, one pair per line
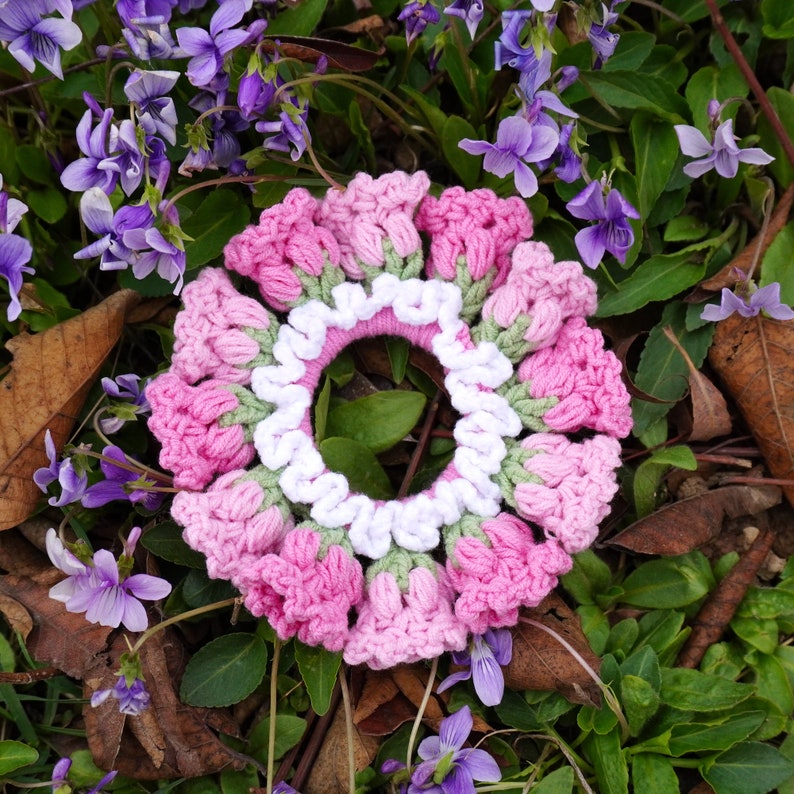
421, 445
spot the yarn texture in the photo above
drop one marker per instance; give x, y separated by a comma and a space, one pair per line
540, 402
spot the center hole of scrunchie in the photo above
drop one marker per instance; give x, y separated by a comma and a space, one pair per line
381, 416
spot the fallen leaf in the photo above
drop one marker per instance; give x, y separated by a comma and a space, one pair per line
310, 49
47, 384
541, 661
683, 526
710, 416
17, 617
752, 356
621, 350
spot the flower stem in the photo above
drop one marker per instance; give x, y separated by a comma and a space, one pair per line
351, 757
271, 733
422, 706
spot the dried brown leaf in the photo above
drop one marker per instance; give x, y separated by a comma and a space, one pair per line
710, 416
310, 49
540, 661
45, 388
752, 356
17, 617
686, 525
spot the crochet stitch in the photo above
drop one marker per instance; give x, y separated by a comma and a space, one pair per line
539, 400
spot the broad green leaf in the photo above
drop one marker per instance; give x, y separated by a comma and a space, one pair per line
398, 349
685, 229
226, 670
749, 768
758, 633
48, 203
662, 371
165, 541
632, 50
240, 781
378, 420
692, 690
639, 701
645, 664
633, 91
660, 630
651, 471
34, 164
667, 583
8, 163
697, 737
609, 762
778, 19
318, 668
622, 637
655, 153
299, 19
783, 103
772, 683
342, 368
359, 465
778, 264
220, 216
560, 781
14, 755
289, 731
321, 410
656, 279
653, 774
465, 165
712, 82
589, 576
198, 589
434, 116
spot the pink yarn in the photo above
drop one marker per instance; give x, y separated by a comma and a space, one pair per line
369, 210
495, 580
285, 241
478, 225
578, 484
301, 594
209, 336
185, 420
395, 628
228, 526
585, 378
549, 292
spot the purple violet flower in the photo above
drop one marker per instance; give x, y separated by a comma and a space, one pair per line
484, 658
144, 12
602, 40
125, 387
508, 50
96, 168
155, 110
417, 15
612, 232
118, 484
470, 11
155, 252
59, 773
283, 788
766, 299
133, 697
518, 142
11, 210
446, 767
72, 484
77, 572
108, 778
33, 37
255, 94
290, 131
149, 42
723, 155
15, 253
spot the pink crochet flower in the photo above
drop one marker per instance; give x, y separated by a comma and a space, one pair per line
185, 419
301, 594
476, 224
210, 340
370, 211
496, 579
395, 627
584, 377
578, 483
229, 525
285, 243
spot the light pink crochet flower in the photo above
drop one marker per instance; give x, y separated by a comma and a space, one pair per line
185, 420
210, 340
578, 485
584, 377
301, 594
476, 224
494, 580
285, 243
371, 210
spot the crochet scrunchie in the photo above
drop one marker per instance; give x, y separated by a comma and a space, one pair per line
540, 402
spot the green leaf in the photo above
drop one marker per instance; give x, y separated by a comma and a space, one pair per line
241, 781
321, 410
289, 731
342, 368
165, 541
655, 153
778, 19
398, 349
359, 465
34, 164
685, 229
645, 664
656, 279
318, 668
609, 762
588, 577
653, 774
48, 203
634, 91
783, 103
198, 589
14, 755
667, 583
749, 768
778, 264
378, 420
632, 50
465, 165
651, 471
8, 163
560, 781
772, 683
224, 671
297, 20
697, 737
639, 700
692, 690
220, 216
713, 82
760, 634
